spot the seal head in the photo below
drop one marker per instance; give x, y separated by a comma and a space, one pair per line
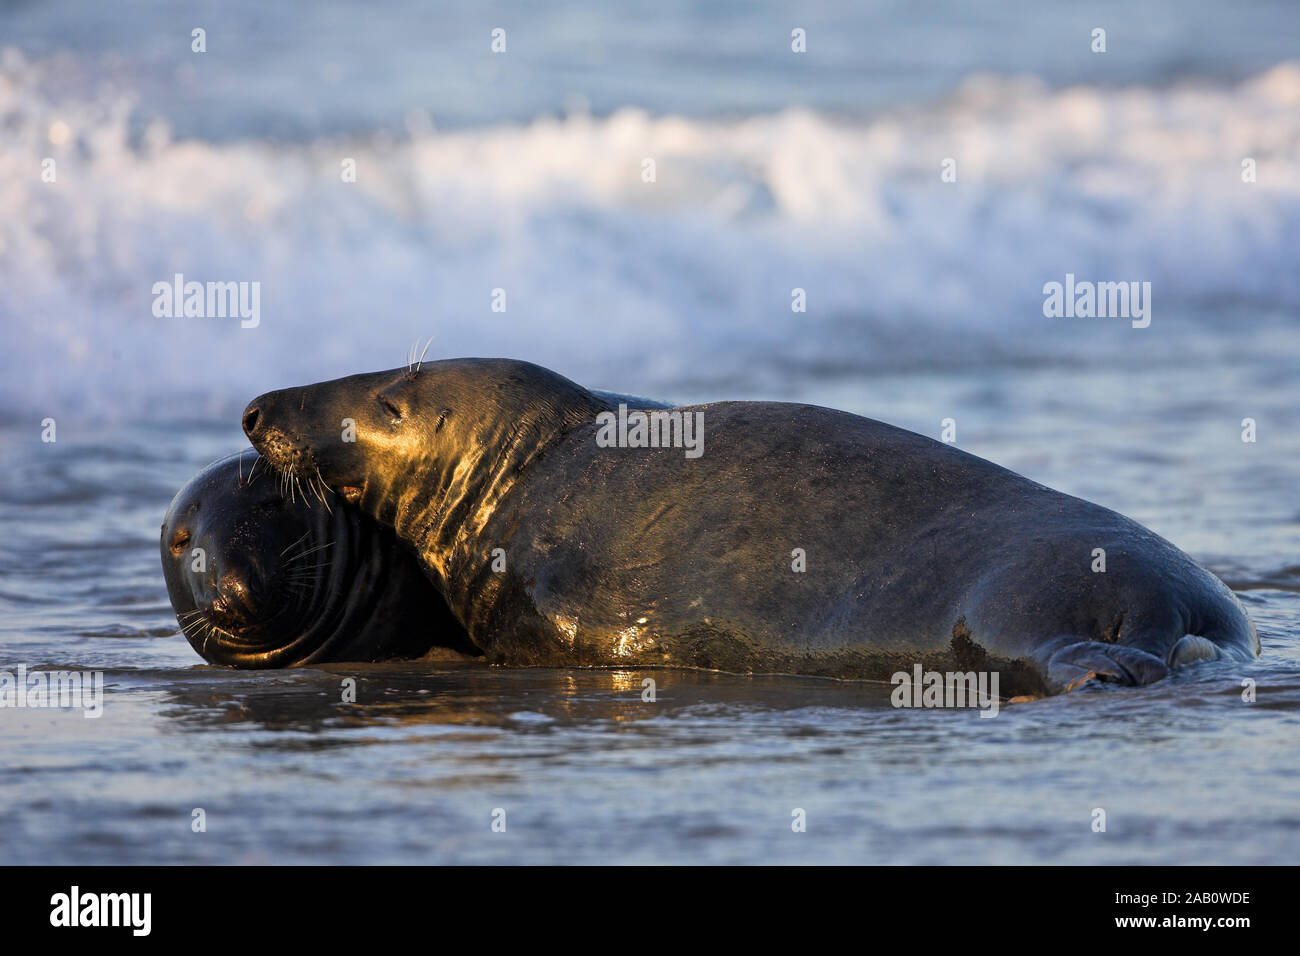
262, 575
429, 451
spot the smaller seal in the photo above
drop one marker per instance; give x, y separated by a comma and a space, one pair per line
262, 575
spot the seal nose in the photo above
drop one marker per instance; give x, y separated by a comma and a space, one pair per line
235, 601
252, 417
234, 585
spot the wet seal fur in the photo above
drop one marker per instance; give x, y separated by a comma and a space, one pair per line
291, 578
916, 551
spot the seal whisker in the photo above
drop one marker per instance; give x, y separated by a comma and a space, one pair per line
306, 551
203, 632
324, 491
295, 543
309, 551
307, 573
319, 489
420, 364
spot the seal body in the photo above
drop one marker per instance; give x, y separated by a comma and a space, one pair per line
801, 539
262, 575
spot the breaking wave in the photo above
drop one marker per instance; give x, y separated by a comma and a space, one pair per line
681, 284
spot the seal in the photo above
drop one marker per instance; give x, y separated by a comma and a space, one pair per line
262, 575
800, 539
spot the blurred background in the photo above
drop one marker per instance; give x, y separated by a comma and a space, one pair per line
522, 171
774, 171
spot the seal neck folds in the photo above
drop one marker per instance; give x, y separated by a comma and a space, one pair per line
510, 428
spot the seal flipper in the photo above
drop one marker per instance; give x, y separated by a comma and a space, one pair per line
1076, 663
1191, 648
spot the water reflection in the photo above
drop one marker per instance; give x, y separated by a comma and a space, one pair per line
472, 693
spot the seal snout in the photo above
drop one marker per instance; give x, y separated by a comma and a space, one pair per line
237, 598
270, 439
258, 415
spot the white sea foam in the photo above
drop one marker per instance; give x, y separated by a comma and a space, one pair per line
614, 281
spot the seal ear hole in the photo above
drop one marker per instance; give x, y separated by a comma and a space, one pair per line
179, 540
442, 420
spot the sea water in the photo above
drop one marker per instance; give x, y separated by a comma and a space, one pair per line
518, 179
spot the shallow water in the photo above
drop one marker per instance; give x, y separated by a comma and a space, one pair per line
712, 770
523, 172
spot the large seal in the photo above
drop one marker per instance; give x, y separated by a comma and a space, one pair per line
262, 575
912, 551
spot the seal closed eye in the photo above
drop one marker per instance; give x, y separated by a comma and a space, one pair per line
261, 576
